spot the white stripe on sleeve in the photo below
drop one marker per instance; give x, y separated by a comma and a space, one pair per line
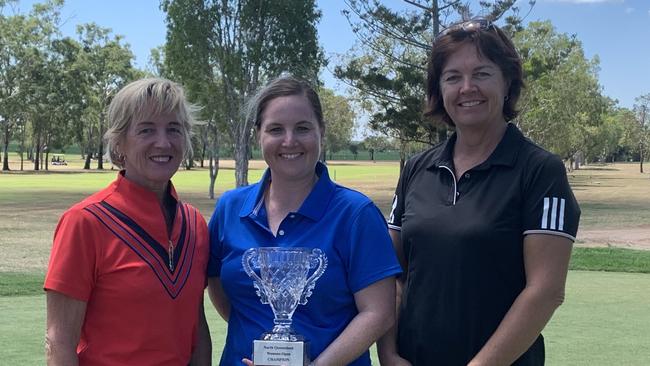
545, 214
560, 226
554, 213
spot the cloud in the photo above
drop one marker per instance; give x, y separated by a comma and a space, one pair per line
629, 10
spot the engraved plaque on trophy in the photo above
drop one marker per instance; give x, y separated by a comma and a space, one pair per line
283, 282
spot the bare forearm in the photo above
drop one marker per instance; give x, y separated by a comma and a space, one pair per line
202, 355
218, 297
65, 317
60, 353
523, 323
387, 344
357, 337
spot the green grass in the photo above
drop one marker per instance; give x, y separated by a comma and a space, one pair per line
610, 260
586, 259
20, 284
603, 321
22, 330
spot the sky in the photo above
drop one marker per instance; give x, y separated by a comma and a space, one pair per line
617, 31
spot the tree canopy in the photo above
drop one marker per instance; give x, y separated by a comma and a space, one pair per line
241, 43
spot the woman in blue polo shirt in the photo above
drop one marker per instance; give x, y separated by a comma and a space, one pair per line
484, 221
295, 204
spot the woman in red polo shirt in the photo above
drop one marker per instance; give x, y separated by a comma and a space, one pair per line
127, 270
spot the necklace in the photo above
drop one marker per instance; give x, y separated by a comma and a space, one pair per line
170, 252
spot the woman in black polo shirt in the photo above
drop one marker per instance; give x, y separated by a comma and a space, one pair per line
483, 223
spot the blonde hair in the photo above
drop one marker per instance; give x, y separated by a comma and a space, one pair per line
141, 99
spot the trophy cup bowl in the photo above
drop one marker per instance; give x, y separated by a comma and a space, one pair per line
284, 282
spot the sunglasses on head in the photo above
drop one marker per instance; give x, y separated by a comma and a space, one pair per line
468, 26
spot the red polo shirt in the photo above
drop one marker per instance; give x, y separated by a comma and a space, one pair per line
112, 251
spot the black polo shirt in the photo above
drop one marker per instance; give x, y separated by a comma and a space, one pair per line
463, 241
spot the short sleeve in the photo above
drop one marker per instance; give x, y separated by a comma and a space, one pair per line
214, 262
397, 208
549, 204
371, 255
74, 258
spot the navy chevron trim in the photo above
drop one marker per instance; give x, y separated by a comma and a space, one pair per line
155, 245
136, 251
127, 231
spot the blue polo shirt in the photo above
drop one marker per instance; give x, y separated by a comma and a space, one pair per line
343, 223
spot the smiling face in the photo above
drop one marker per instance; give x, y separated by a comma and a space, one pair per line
290, 138
153, 149
473, 89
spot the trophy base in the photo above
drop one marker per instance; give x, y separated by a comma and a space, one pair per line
280, 353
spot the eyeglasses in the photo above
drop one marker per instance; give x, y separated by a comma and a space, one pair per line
468, 26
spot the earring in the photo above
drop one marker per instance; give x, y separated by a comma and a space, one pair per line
506, 98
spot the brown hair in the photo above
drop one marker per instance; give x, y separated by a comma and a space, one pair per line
283, 86
491, 42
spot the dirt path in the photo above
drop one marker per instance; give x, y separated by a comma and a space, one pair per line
632, 238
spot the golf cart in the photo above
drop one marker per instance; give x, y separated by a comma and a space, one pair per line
58, 159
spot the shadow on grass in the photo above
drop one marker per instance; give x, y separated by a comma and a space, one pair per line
597, 168
58, 172
20, 284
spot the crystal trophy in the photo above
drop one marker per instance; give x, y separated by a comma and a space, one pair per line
283, 283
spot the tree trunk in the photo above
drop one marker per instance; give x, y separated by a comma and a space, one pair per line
241, 161
100, 139
5, 148
402, 155
46, 161
37, 152
641, 158
89, 156
214, 161
214, 172
100, 155
203, 149
22, 148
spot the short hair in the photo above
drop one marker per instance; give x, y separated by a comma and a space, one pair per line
141, 99
491, 42
283, 86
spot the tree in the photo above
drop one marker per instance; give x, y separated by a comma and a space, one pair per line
603, 142
562, 104
339, 121
186, 58
642, 113
354, 149
390, 74
20, 35
375, 143
12, 39
105, 65
247, 42
37, 79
